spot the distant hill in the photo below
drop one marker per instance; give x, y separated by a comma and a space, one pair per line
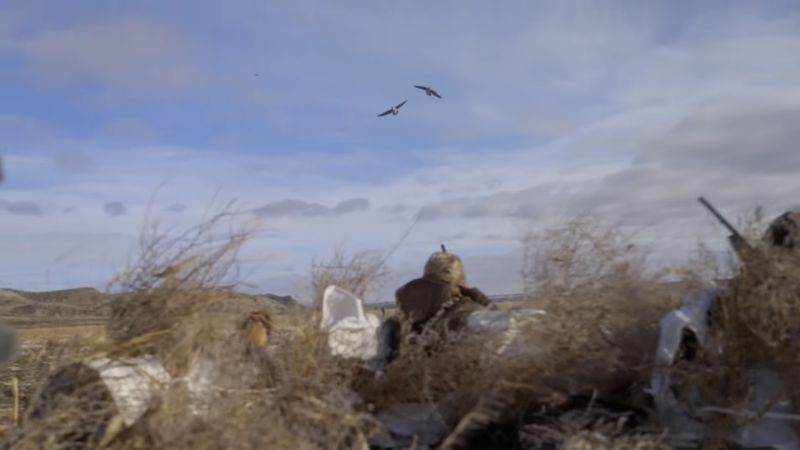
495, 298
285, 300
83, 304
88, 305
677, 286
231, 302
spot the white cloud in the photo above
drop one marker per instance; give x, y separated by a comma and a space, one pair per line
132, 53
15, 126
114, 209
704, 152
74, 162
300, 208
555, 109
128, 129
58, 260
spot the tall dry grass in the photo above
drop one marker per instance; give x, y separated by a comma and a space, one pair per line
289, 399
456, 376
89, 333
603, 305
359, 273
754, 324
597, 339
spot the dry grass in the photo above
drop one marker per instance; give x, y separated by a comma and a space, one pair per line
598, 339
296, 398
358, 273
755, 324
80, 332
165, 318
603, 306
589, 440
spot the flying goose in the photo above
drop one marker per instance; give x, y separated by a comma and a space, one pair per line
428, 91
394, 109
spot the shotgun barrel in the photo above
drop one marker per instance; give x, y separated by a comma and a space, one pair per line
735, 238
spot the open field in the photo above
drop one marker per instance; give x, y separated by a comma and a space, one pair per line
591, 355
32, 334
42, 340
43, 344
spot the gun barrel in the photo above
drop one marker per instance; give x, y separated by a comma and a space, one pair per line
719, 217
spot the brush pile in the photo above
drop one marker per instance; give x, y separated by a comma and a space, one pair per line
186, 378
738, 373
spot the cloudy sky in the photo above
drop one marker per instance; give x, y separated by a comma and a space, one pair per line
626, 109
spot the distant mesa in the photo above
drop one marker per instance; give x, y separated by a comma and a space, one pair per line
285, 300
86, 304
80, 304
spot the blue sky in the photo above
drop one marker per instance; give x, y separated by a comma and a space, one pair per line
626, 109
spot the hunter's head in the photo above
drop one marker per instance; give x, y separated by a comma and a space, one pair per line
445, 268
783, 231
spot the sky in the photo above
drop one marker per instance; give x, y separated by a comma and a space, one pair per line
624, 109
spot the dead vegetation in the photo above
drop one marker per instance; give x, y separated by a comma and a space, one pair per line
358, 273
597, 339
290, 396
754, 325
603, 306
590, 354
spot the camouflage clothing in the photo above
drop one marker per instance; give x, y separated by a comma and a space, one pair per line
783, 231
440, 296
781, 234
470, 300
419, 300
445, 268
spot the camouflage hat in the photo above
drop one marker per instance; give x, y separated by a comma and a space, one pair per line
445, 268
783, 231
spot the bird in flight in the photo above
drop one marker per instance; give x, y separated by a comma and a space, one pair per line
394, 109
428, 91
